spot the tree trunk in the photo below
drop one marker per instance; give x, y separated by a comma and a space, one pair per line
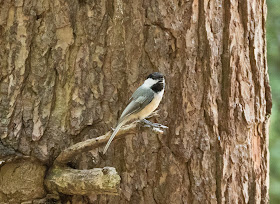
68, 68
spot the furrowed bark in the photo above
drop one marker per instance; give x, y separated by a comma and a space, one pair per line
68, 68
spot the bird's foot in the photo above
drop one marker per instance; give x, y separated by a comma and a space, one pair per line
148, 123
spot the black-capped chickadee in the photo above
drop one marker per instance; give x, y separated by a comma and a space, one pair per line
142, 103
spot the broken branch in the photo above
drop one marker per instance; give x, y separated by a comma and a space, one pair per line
83, 182
70, 181
69, 153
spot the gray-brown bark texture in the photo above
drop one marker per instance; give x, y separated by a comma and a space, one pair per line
68, 68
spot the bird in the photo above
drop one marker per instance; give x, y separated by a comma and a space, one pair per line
142, 103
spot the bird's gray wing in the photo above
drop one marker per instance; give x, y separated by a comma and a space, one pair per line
138, 92
140, 99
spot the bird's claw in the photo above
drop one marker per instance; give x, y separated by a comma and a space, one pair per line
157, 125
148, 123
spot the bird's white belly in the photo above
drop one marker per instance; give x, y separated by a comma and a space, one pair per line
151, 106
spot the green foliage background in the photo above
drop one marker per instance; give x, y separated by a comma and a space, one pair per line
273, 54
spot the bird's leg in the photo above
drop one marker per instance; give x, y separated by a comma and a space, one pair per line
150, 124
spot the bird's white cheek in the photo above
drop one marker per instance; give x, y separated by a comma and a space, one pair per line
149, 82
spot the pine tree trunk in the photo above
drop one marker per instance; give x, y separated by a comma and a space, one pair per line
68, 68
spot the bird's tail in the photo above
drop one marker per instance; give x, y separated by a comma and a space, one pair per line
113, 135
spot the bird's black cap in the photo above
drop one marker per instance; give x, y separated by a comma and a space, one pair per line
155, 75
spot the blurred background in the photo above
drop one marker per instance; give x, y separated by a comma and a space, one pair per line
273, 57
